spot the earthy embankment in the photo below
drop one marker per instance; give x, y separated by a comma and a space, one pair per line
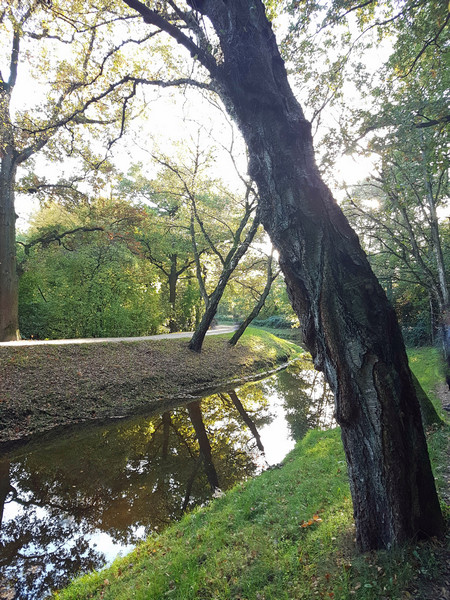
45, 387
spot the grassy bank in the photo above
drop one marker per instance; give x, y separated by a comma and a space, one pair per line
43, 387
285, 535
291, 334
428, 366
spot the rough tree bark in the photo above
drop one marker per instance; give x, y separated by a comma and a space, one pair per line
10, 158
348, 324
9, 321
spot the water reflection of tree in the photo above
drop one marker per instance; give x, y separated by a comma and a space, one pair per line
34, 539
244, 414
131, 476
307, 399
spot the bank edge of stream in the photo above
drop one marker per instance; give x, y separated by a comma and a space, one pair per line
44, 389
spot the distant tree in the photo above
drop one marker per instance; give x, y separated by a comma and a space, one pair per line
241, 239
271, 276
401, 231
163, 239
399, 208
71, 63
221, 225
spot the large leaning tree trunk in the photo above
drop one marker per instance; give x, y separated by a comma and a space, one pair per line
348, 324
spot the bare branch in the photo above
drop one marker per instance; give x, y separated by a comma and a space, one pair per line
76, 115
63, 187
54, 236
152, 17
427, 43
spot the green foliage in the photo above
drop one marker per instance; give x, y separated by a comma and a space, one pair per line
189, 306
429, 367
419, 333
274, 322
87, 284
162, 240
253, 337
238, 300
92, 292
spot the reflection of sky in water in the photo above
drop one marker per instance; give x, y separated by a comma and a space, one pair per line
98, 539
275, 436
110, 549
86, 498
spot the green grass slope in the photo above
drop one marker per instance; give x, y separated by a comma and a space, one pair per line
285, 535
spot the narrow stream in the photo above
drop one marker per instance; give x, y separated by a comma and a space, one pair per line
73, 503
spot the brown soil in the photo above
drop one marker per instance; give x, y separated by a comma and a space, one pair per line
45, 387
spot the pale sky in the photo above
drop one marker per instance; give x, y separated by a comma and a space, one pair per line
166, 125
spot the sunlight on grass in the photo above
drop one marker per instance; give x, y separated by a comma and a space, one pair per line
256, 340
287, 534
252, 539
428, 366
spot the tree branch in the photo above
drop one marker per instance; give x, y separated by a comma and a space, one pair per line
54, 236
75, 116
14, 59
152, 17
431, 122
425, 46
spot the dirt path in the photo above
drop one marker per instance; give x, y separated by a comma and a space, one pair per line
162, 336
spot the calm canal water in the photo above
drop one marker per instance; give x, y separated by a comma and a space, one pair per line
71, 504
